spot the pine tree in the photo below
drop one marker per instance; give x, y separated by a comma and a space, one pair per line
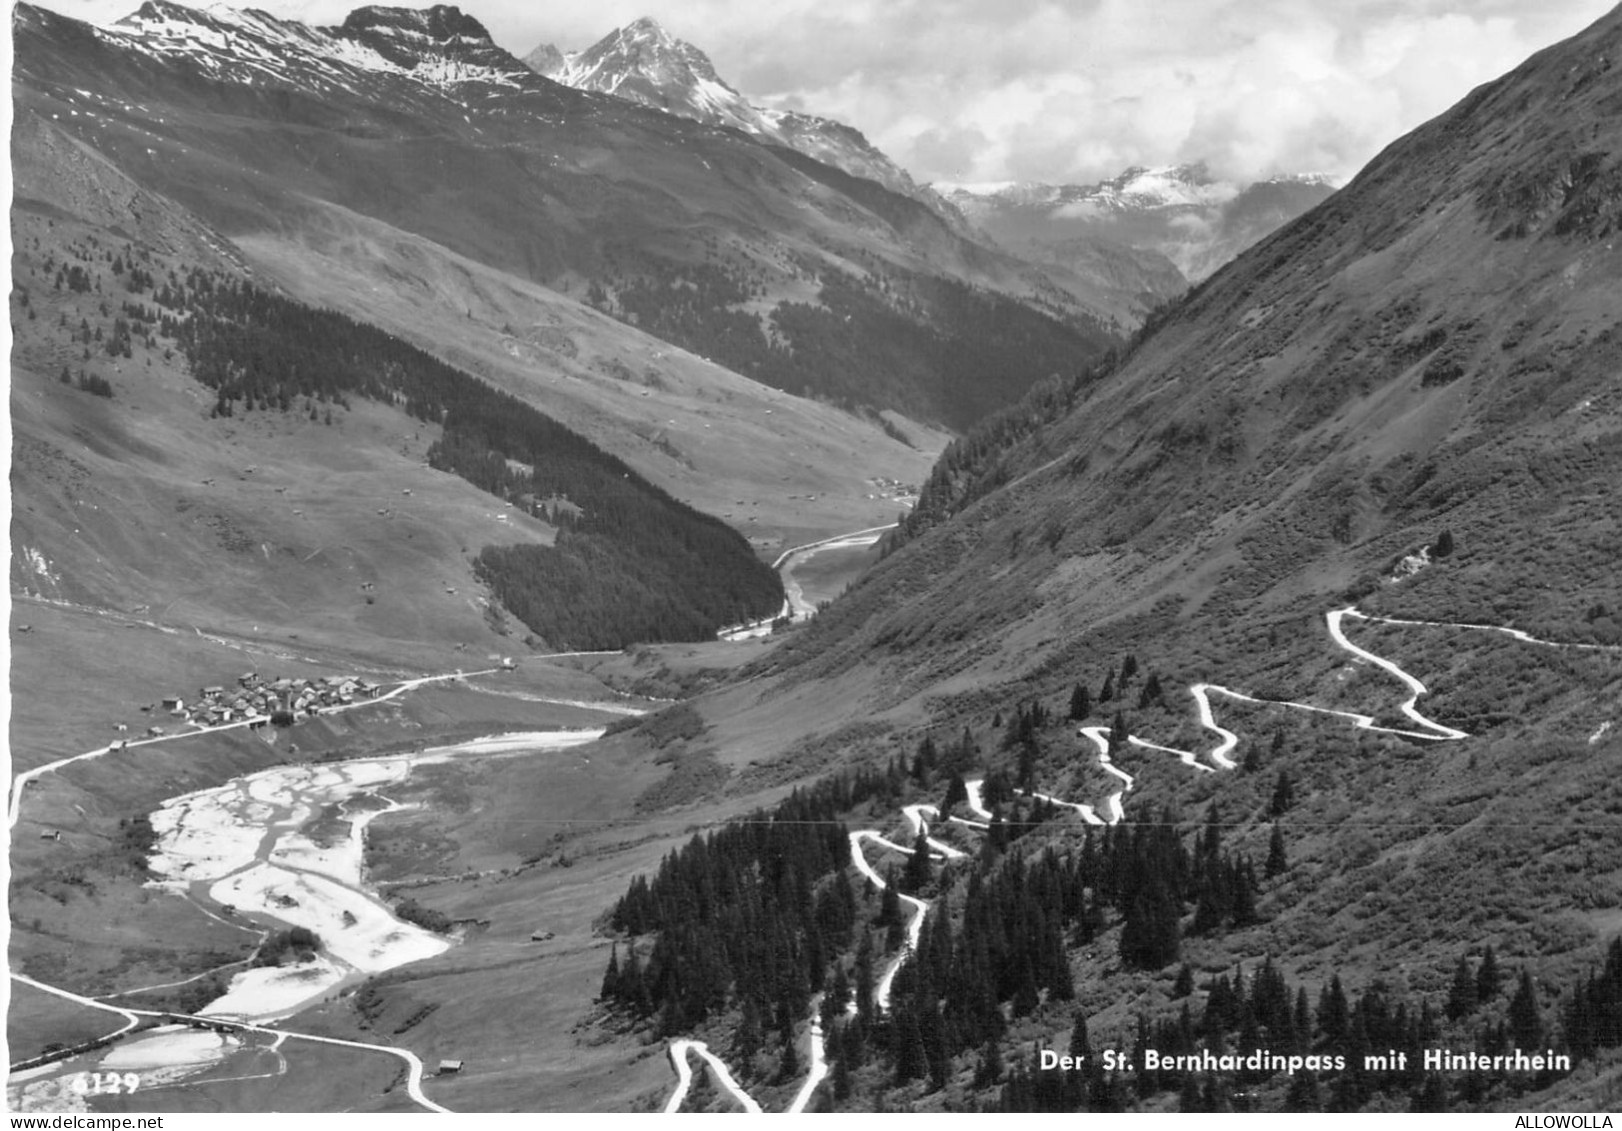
1333, 1014
990, 1069
1283, 795
1461, 996
863, 979
1080, 1046
1081, 703
1118, 733
1277, 862
1149, 934
915, 877
1215, 904
1029, 752
1525, 1020
923, 763
1185, 982
1151, 692
841, 1079
1301, 1022
1107, 692
1488, 977
633, 987
906, 1045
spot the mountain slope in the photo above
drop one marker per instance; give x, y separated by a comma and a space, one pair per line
1432, 352
1403, 402
643, 63
421, 123
286, 370
1448, 310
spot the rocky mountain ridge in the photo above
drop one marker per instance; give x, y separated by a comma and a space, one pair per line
417, 120
644, 63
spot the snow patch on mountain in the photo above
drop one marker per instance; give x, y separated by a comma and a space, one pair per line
1194, 219
439, 47
642, 62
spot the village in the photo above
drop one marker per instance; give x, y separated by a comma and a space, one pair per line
261, 701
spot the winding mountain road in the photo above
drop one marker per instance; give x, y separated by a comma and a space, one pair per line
914, 815
819, 1063
684, 1074
1221, 754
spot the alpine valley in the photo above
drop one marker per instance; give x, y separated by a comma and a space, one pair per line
426, 465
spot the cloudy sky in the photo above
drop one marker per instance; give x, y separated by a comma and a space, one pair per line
990, 90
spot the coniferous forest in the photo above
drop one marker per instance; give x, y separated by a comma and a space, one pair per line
632, 564
746, 925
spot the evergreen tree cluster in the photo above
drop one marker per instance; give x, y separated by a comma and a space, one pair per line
1261, 1010
1021, 735
761, 915
753, 914
636, 565
1224, 885
1114, 687
1593, 1013
953, 759
1006, 956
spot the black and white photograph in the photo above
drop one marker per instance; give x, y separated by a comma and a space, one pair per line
1037, 556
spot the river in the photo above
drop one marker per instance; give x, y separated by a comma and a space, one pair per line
286, 847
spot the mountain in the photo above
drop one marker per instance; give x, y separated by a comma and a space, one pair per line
736, 251
1179, 211
1324, 566
1426, 349
644, 63
1326, 562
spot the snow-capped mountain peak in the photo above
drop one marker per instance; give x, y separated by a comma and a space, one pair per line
645, 63
439, 47
642, 62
